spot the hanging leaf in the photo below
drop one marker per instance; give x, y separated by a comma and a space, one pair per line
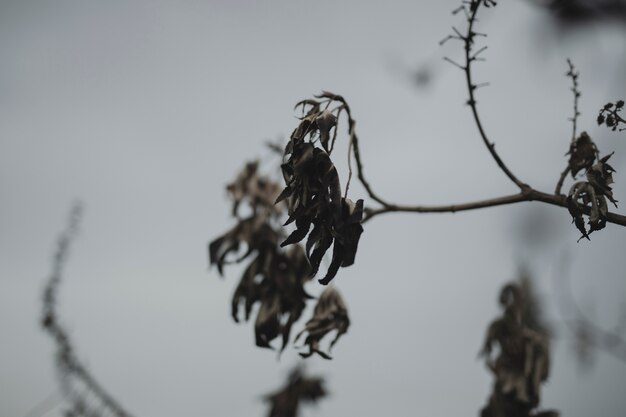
600, 176
583, 153
588, 198
330, 314
254, 233
276, 281
313, 194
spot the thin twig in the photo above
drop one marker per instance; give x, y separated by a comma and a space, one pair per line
574, 119
574, 76
354, 143
559, 184
349, 167
471, 87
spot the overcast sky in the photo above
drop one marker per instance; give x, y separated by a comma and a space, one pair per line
144, 109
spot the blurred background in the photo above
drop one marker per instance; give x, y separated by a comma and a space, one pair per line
144, 110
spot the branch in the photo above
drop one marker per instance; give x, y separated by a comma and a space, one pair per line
452, 208
354, 143
468, 40
73, 375
574, 76
528, 195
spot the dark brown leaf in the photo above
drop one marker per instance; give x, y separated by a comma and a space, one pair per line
330, 314
313, 192
276, 281
583, 153
600, 176
253, 232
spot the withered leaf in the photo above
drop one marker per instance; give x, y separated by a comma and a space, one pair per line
276, 281
523, 360
330, 314
253, 232
600, 176
589, 197
260, 192
298, 389
583, 197
325, 121
583, 153
314, 199
313, 192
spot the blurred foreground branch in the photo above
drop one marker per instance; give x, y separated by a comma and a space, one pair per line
84, 394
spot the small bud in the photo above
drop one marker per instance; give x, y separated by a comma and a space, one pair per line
619, 104
600, 119
608, 106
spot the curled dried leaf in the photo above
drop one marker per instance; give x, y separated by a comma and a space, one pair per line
584, 200
254, 233
600, 176
588, 198
330, 314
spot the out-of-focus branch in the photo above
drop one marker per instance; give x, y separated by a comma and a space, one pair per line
577, 321
84, 393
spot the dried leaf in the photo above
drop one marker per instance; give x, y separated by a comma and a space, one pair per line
523, 360
330, 314
313, 192
260, 192
600, 176
589, 197
253, 232
276, 281
583, 153
299, 389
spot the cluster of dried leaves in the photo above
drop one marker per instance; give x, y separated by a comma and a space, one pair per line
610, 117
523, 359
312, 191
274, 277
298, 389
588, 198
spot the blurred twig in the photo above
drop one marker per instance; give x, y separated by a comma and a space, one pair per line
85, 395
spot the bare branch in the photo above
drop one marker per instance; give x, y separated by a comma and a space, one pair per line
91, 398
471, 87
574, 76
527, 195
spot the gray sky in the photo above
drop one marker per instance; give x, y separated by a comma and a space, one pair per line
145, 109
